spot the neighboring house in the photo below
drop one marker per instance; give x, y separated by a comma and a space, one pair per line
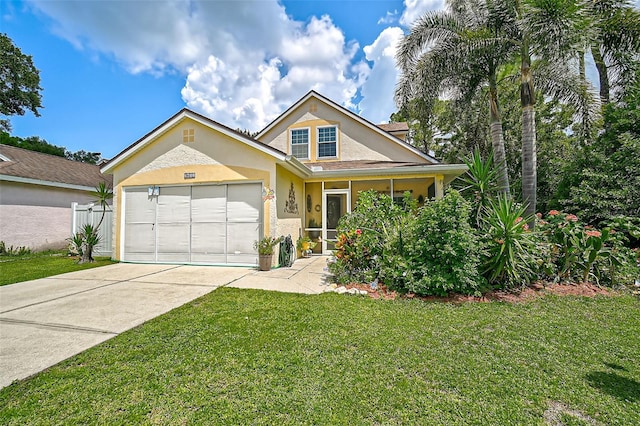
194, 191
36, 192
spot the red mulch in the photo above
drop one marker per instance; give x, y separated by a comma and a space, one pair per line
538, 289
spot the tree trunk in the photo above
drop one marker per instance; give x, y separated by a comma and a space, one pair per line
497, 140
529, 156
87, 254
602, 74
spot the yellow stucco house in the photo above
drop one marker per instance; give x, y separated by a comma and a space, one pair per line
195, 191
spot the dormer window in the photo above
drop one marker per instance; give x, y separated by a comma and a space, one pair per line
300, 143
327, 142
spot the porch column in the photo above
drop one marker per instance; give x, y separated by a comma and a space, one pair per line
439, 183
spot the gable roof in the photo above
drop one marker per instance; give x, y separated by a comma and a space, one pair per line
22, 165
206, 121
350, 114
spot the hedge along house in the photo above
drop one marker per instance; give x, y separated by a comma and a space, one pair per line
194, 191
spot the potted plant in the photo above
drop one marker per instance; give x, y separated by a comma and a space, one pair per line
265, 251
305, 245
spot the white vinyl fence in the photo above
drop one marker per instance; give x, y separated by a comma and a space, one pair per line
91, 214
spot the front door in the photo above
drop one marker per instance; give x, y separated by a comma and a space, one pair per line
337, 203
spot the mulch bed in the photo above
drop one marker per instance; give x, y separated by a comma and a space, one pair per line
536, 290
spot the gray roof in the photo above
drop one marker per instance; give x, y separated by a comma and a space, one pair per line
22, 163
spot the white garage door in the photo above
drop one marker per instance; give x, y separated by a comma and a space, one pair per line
208, 224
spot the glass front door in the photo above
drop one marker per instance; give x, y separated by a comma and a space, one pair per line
336, 204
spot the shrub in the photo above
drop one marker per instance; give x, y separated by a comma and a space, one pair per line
13, 251
437, 252
510, 257
84, 241
363, 235
585, 253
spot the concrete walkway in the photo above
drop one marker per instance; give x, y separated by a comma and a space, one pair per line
45, 321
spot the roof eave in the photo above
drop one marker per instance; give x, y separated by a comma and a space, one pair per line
452, 170
32, 181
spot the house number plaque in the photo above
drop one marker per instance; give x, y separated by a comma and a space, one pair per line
190, 175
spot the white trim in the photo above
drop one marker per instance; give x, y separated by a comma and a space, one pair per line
456, 169
335, 126
325, 228
4, 158
32, 181
308, 129
174, 121
123, 215
349, 113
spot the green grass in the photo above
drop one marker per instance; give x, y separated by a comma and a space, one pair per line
14, 269
253, 357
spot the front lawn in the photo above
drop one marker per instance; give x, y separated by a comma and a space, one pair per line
14, 269
253, 357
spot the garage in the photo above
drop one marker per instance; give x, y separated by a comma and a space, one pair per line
200, 224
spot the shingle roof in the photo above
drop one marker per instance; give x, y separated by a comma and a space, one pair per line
50, 168
360, 164
394, 127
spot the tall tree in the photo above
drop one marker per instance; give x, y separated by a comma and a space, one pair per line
548, 31
614, 45
457, 53
19, 82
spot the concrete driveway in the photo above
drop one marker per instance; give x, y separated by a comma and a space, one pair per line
45, 321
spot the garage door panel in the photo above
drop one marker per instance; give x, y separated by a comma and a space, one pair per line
173, 242
209, 258
140, 242
208, 237
242, 259
140, 216
242, 204
174, 205
241, 236
209, 203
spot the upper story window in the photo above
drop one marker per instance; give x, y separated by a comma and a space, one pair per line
327, 142
300, 143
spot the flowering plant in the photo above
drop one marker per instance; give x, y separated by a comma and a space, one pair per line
578, 251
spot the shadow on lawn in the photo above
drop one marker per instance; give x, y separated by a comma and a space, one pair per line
615, 385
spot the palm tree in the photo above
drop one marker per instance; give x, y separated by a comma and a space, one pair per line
88, 237
103, 195
615, 44
548, 31
458, 53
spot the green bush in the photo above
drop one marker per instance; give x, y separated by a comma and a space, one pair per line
510, 258
437, 252
13, 251
364, 233
585, 253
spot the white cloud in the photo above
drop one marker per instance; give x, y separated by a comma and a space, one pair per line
389, 18
244, 62
377, 92
414, 9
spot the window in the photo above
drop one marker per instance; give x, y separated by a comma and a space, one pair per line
188, 135
300, 143
327, 142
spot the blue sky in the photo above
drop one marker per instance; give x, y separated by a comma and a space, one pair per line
113, 70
